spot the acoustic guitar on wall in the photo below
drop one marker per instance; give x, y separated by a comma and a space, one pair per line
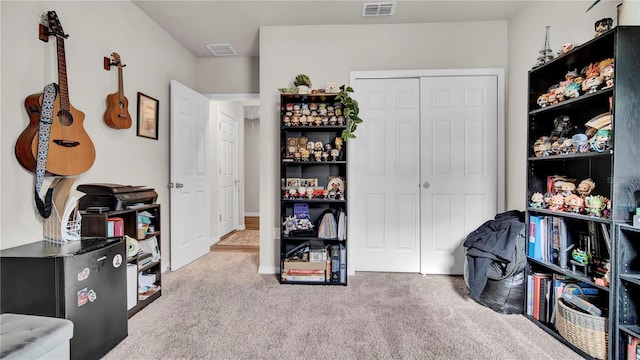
70, 150
117, 114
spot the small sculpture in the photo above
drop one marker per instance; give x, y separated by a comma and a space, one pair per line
546, 54
601, 141
580, 256
537, 201
289, 225
542, 147
574, 203
594, 204
557, 203
561, 127
585, 187
567, 188
603, 25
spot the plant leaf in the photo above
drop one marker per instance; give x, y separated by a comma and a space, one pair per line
592, 5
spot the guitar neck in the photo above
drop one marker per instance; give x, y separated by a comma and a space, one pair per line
63, 91
120, 86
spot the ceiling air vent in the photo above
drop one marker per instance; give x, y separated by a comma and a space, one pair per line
378, 8
221, 49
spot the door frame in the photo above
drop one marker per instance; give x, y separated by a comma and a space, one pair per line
240, 156
497, 72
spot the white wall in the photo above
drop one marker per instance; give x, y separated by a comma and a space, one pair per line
96, 29
252, 151
227, 75
339, 50
569, 23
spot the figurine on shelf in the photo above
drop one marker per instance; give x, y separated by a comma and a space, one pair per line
557, 203
537, 201
606, 72
601, 141
567, 188
561, 127
543, 100
574, 204
289, 225
572, 90
595, 204
580, 256
585, 187
565, 48
580, 142
542, 147
602, 26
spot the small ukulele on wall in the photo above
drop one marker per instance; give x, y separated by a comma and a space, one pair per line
117, 114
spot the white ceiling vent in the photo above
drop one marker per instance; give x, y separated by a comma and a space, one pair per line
378, 8
221, 49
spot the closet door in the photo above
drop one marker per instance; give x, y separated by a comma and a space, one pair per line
384, 177
458, 170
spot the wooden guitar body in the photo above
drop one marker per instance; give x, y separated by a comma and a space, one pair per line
71, 151
117, 114
24, 152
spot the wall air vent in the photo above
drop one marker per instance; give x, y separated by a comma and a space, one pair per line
221, 49
378, 8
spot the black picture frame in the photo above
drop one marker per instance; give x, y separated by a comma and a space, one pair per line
148, 110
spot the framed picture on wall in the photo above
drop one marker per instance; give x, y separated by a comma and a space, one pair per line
147, 116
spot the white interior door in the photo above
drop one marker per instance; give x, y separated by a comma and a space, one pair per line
228, 172
384, 177
459, 172
190, 175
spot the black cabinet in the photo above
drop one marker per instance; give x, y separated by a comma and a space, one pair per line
82, 281
313, 171
627, 285
582, 181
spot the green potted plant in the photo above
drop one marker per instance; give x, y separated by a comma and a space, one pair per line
350, 111
302, 82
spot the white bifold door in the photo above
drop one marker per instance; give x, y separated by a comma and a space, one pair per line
424, 171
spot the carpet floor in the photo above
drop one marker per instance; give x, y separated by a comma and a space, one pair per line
219, 307
242, 241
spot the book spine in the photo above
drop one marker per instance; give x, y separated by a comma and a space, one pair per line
343, 264
335, 263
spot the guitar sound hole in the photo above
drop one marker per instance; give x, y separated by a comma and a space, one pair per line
65, 118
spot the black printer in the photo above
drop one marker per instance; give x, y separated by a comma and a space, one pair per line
111, 197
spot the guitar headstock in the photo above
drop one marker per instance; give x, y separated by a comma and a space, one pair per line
116, 60
54, 26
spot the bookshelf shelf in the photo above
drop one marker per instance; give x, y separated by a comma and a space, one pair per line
313, 162
607, 264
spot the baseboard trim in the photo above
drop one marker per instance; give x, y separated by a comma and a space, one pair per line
268, 270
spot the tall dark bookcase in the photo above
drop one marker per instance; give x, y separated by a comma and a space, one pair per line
614, 167
313, 160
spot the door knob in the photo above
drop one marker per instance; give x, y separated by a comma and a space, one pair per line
179, 185
426, 185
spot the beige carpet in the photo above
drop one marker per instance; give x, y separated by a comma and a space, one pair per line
218, 307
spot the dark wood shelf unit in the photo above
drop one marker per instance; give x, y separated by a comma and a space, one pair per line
614, 171
95, 224
299, 168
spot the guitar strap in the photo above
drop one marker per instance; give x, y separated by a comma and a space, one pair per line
46, 119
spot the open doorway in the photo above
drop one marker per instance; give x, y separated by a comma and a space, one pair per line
237, 202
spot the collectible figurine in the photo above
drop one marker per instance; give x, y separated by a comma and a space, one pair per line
561, 127
603, 25
580, 256
572, 90
557, 203
542, 147
565, 48
581, 142
606, 72
574, 203
543, 100
601, 141
537, 201
585, 187
567, 188
590, 85
594, 204
289, 225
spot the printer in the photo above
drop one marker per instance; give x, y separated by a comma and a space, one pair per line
112, 197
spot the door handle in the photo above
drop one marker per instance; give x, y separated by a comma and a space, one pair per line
179, 185
426, 185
